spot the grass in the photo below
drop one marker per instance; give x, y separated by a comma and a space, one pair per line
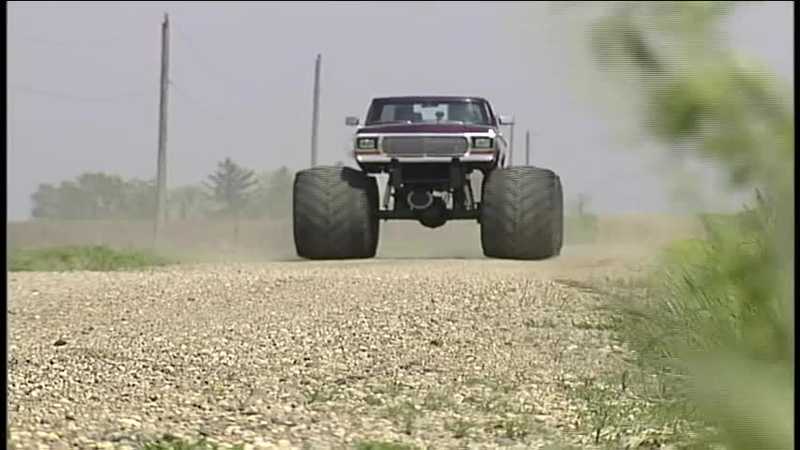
434, 401
91, 258
513, 428
460, 428
170, 443
710, 328
404, 415
380, 445
320, 395
716, 324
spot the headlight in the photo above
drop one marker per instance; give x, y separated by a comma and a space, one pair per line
480, 142
367, 143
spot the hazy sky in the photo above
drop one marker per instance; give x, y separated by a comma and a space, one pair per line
83, 85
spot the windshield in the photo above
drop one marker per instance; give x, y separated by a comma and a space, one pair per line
455, 111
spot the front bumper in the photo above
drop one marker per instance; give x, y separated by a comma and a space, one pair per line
383, 159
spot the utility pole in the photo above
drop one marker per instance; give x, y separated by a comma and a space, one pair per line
315, 116
161, 174
528, 148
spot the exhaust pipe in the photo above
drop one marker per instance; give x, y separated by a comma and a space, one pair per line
419, 200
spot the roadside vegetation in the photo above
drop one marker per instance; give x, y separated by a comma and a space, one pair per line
176, 444
168, 443
712, 328
379, 445
90, 258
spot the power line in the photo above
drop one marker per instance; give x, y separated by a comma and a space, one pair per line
210, 68
78, 98
191, 99
47, 42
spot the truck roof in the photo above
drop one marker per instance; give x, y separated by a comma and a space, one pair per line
430, 98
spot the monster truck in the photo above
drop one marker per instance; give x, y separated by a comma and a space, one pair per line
429, 147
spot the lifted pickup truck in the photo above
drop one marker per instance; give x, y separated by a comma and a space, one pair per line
429, 146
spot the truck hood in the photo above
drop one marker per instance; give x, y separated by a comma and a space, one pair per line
424, 128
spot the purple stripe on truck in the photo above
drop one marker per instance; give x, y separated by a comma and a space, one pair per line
424, 128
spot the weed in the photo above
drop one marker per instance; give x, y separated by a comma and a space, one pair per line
378, 445
542, 323
513, 428
602, 404
459, 427
405, 415
373, 400
436, 401
587, 325
319, 395
172, 443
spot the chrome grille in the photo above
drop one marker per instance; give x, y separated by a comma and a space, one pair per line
424, 145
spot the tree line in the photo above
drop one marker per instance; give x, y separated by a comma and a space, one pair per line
230, 191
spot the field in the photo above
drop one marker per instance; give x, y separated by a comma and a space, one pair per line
429, 345
265, 240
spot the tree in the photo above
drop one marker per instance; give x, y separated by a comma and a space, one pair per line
279, 194
230, 186
188, 202
140, 199
46, 202
104, 195
95, 196
272, 198
74, 204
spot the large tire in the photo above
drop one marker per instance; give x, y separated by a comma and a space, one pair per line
559, 216
335, 213
522, 214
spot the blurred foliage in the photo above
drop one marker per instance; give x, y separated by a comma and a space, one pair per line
716, 319
697, 95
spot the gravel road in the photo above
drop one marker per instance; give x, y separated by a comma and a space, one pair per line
441, 353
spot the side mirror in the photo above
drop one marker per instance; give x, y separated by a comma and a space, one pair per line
506, 120
351, 121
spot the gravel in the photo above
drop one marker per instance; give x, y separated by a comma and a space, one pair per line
436, 353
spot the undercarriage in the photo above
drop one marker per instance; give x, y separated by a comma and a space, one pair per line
431, 193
